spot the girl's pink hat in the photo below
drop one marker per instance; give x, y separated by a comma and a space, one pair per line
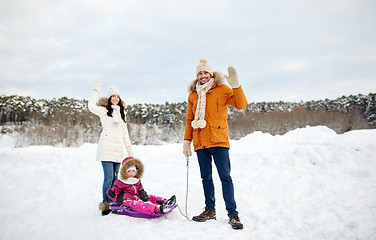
126, 159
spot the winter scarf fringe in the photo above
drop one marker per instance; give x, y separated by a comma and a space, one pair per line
199, 121
116, 118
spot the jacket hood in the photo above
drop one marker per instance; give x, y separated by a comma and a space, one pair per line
103, 102
129, 163
218, 78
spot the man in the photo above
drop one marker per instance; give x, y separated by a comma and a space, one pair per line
206, 125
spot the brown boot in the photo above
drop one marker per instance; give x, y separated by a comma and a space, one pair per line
207, 214
235, 223
105, 208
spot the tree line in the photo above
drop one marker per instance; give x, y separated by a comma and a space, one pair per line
68, 122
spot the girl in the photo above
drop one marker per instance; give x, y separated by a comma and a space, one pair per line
113, 137
129, 192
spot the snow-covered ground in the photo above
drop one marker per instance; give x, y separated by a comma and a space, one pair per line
307, 184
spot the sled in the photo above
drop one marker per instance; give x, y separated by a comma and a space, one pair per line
129, 212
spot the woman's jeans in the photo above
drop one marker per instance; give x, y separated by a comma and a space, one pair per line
111, 171
222, 162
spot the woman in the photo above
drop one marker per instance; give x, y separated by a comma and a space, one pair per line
113, 137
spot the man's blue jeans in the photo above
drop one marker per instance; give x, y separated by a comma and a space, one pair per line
222, 162
111, 171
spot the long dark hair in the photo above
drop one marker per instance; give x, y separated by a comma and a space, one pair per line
110, 110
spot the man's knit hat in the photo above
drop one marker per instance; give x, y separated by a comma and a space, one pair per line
204, 66
112, 91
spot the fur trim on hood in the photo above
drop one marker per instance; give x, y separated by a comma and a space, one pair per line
218, 78
129, 163
103, 102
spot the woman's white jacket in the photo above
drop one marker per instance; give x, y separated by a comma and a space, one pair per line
113, 137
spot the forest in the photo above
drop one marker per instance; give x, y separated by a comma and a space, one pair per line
67, 122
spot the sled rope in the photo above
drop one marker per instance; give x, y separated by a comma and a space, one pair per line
186, 195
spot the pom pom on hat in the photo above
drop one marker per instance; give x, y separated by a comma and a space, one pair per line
204, 60
112, 91
204, 66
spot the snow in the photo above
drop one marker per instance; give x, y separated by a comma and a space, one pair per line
6, 141
307, 184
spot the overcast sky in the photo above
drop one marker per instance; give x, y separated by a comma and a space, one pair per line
283, 50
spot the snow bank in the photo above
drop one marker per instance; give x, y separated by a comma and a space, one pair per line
6, 141
307, 184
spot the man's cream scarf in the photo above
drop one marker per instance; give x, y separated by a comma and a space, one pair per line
199, 121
